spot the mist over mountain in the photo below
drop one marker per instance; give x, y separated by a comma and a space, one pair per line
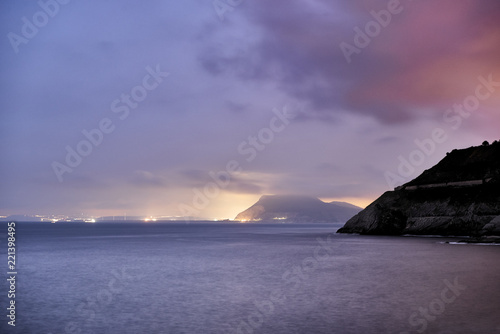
296, 208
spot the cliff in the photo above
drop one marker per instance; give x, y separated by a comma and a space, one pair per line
458, 196
297, 209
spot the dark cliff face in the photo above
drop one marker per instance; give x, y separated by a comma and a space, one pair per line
473, 163
291, 208
458, 196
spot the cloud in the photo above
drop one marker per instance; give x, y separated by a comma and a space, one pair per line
428, 57
353, 120
236, 107
240, 183
147, 179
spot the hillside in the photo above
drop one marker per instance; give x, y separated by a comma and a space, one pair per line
458, 196
292, 208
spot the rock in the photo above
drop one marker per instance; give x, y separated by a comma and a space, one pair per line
492, 228
458, 196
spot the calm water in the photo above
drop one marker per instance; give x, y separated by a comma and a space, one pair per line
236, 278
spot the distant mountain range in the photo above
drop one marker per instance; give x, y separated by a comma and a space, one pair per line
459, 196
299, 209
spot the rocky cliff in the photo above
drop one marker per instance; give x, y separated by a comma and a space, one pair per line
298, 209
458, 196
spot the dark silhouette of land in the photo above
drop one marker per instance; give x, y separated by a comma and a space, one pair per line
297, 209
459, 196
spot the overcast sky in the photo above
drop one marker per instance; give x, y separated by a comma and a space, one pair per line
310, 97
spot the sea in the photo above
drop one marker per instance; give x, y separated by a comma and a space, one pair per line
221, 278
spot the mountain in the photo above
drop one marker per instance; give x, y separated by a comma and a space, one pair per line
458, 196
294, 208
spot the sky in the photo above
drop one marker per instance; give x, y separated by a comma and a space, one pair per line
199, 107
